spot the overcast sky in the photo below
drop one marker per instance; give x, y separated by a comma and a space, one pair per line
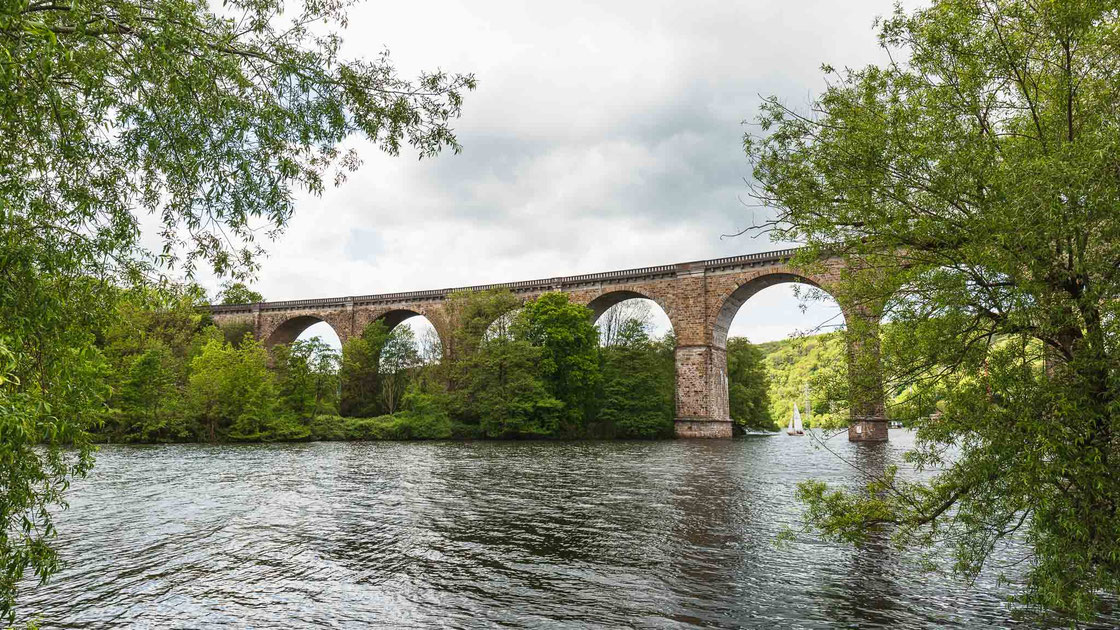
602, 136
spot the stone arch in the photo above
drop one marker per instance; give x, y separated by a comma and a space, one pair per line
602, 303
727, 305
433, 313
290, 329
502, 322
599, 302
866, 399
397, 316
703, 408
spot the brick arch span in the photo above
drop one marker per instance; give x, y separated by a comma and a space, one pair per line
731, 293
606, 301
660, 293
394, 316
727, 293
285, 327
500, 324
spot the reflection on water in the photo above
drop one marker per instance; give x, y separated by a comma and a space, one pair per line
646, 534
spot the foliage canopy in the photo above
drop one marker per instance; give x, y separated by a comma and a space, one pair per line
206, 121
977, 175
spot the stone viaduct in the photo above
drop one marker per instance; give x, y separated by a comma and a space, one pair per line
700, 298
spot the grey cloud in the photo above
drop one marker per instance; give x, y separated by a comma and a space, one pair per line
602, 136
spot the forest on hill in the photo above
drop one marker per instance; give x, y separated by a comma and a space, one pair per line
814, 361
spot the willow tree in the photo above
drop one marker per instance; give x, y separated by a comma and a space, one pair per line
205, 121
978, 173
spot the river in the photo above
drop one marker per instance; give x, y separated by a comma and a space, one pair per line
510, 534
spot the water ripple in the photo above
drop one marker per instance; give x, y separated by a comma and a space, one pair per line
517, 535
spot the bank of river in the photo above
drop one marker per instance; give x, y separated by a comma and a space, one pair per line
514, 534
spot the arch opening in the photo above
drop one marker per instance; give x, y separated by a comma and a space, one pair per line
323, 332
421, 334
780, 341
502, 327
624, 313
637, 355
304, 327
782, 303
392, 356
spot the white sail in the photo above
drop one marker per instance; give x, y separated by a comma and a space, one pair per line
795, 423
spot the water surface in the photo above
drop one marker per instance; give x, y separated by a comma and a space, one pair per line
532, 534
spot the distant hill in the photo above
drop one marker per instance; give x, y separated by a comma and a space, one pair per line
818, 360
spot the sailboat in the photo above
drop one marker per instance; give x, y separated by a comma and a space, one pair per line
795, 427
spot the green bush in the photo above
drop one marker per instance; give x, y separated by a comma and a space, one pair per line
254, 427
637, 385
653, 425
328, 428
406, 425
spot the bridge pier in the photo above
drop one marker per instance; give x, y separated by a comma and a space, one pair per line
868, 422
867, 429
702, 405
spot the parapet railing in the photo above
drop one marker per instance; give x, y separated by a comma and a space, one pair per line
522, 285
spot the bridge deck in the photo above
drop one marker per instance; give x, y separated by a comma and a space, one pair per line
557, 283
